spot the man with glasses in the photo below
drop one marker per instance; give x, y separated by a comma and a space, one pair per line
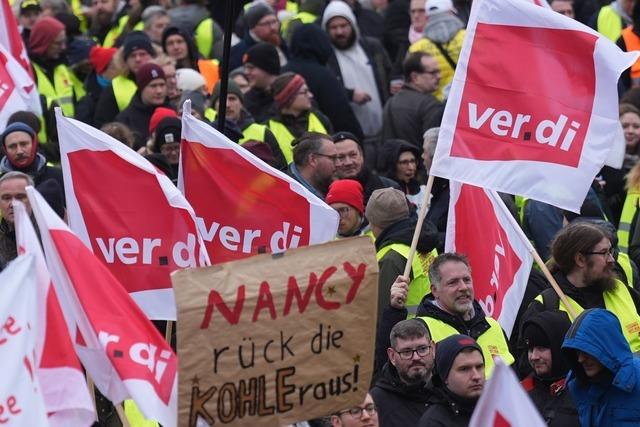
345, 197
365, 415
414, 109
583, 265
403, 388
261, 25
314, 162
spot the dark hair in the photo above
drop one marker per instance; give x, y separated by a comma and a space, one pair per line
575, 238
413, 64
309, 143
26, 117
408, 329
120, 132
434, 268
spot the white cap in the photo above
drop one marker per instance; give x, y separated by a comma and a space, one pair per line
188, 79
433, 7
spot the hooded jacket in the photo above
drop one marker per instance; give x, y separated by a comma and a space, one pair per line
549, 393
611, 398
310, 52
399, 404
392, 150
137, 116
447, 410
375, 56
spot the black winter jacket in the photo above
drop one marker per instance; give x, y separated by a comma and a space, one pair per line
399, 404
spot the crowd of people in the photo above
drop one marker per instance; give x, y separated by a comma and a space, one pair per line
347, 96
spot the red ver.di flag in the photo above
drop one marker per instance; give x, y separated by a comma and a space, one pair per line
481, 227
243, 205
131, 216
533, 108
10, 37
17, 89
119, 347
21, 400
63, 383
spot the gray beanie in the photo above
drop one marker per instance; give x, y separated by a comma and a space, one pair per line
386, 206
256, 13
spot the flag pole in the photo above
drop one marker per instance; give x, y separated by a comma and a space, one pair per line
168, 331
536, 257
121, 415
416, 233
224, 74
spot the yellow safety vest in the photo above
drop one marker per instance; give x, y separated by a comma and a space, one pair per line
625, 263
114, 33
291, 6
253, 132
620, 303
123, 89
285, 138
76, 7
303, 17
492, 341
135, 417
626, 218
609, 23
203, 36
453, 48
65, 90
420, 284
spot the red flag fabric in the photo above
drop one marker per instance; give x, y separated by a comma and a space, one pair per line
21, 400
11, 39
132, 216
504, 402
119, 347
542, 130
243, 205
481, 227
17, 89
61, 378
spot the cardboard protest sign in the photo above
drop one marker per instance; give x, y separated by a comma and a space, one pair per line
276, 339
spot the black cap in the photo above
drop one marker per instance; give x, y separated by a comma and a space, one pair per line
28, 5
342, 135
446, 352
168, 131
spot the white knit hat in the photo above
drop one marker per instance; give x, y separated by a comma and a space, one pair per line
189, 80
433, 7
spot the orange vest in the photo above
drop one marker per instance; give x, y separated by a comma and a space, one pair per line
632, 42
210, 71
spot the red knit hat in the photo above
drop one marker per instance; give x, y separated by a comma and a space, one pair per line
100, 57
347, 191
43, 33
158, 114
285, 87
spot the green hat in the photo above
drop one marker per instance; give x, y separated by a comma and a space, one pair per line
231, 88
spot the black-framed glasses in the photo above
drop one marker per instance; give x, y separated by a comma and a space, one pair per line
356, 411
407, 353
333, 158
432, 72
604, 252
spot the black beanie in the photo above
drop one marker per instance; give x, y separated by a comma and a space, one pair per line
446, 352
137, 40
169, 130
255, 13
263, 56
535, 336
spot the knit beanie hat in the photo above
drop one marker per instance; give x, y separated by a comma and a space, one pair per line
197, 99
285, 87
534, 336
28, 5
158, 114
231, 88
347, 191
169, 130
100, 57
255, 13
386, 206
188, 79
137, 40
264, 56
446, 352
43, 33
434, 7
147, 73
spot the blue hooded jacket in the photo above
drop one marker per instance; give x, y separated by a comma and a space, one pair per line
611, 398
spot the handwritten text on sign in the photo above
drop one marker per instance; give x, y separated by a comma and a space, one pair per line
277, 338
